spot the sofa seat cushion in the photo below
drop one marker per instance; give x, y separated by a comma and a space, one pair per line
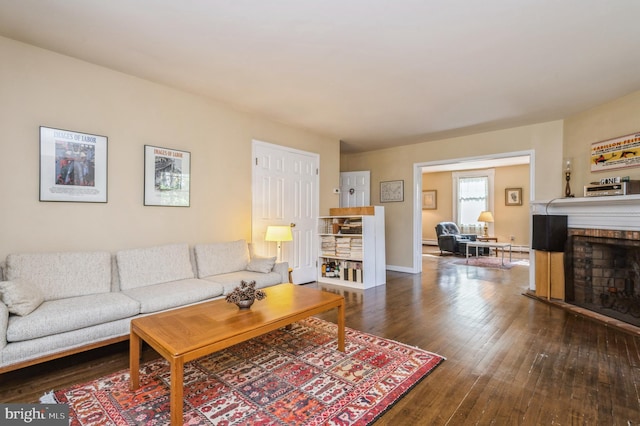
59, 316
173, 294
232, 280
221, 258
62, 275
153, 265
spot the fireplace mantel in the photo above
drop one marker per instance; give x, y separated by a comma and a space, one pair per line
620, 212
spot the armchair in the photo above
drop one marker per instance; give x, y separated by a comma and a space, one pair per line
451, 240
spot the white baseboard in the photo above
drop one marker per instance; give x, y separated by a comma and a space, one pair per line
401, 269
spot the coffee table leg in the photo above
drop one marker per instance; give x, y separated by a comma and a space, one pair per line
341, 333
177, 388
134, 360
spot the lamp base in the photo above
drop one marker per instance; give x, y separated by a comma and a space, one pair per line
486, 230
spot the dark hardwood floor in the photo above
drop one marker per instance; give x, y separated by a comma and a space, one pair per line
510, 359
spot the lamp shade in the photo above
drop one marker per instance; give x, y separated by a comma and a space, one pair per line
485, 217
278, 233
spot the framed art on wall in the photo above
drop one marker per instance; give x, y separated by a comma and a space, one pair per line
167, 177
73, 166
392, 191
616, 153
513, 196
429, 199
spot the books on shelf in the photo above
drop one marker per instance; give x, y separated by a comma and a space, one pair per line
351, 226
351, 271
343, 270
341, 226
328, 246
356, 248
343, 247
343, 256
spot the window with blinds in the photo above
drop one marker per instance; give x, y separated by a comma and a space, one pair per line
473, 198
473, 193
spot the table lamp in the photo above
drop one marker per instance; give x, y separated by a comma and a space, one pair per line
278, 233
567, 177
485, 217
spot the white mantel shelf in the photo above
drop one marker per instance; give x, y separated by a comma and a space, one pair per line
608, 212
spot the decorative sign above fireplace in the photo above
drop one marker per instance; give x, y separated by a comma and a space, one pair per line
616, 153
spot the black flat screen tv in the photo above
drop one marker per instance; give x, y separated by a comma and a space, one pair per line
549, 232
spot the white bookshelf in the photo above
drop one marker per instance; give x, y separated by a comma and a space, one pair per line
352, 249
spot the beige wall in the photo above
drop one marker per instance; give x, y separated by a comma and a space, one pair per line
617, 118
441, 182
509, 220
544, 139
39, 87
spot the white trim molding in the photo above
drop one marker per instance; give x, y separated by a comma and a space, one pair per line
617, 212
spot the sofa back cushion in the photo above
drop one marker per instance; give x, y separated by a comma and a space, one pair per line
153, 265
221, 258
61, 275
447, 228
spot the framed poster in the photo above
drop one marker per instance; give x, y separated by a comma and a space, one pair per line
73, 166
513, 196
616, 153
167, 174
392, 191
429, 199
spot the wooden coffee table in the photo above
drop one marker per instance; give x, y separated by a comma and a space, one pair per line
184, 334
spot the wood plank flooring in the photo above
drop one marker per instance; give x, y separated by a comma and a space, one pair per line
510, 359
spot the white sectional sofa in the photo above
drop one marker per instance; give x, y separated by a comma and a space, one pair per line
55, 304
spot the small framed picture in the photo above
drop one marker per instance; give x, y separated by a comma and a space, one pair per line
73, 166
429, 199
167, 177
392, 191
513, 196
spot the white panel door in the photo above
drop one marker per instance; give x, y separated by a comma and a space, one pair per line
285, 192
355, 189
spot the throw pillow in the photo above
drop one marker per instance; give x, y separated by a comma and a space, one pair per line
261, 264
20, 297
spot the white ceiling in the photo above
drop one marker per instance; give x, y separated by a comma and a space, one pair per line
373, 73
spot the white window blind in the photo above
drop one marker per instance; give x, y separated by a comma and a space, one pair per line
473, 193
473, 198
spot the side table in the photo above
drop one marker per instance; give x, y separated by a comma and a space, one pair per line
486, 239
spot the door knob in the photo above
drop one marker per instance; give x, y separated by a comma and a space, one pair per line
293, 225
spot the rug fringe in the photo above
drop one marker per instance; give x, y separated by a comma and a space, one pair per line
48, 398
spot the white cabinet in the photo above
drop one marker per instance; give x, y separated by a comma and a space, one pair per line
352, 247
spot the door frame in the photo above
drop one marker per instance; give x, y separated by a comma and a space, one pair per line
316, 213
417, 200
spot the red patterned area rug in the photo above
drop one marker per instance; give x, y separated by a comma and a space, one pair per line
286, 377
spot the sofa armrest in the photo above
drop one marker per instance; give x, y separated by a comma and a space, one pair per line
447, 242
4, 323
282, 268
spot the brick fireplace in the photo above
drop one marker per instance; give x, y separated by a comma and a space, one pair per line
602, 259
602, 272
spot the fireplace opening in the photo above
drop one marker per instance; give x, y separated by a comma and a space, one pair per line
603, 273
